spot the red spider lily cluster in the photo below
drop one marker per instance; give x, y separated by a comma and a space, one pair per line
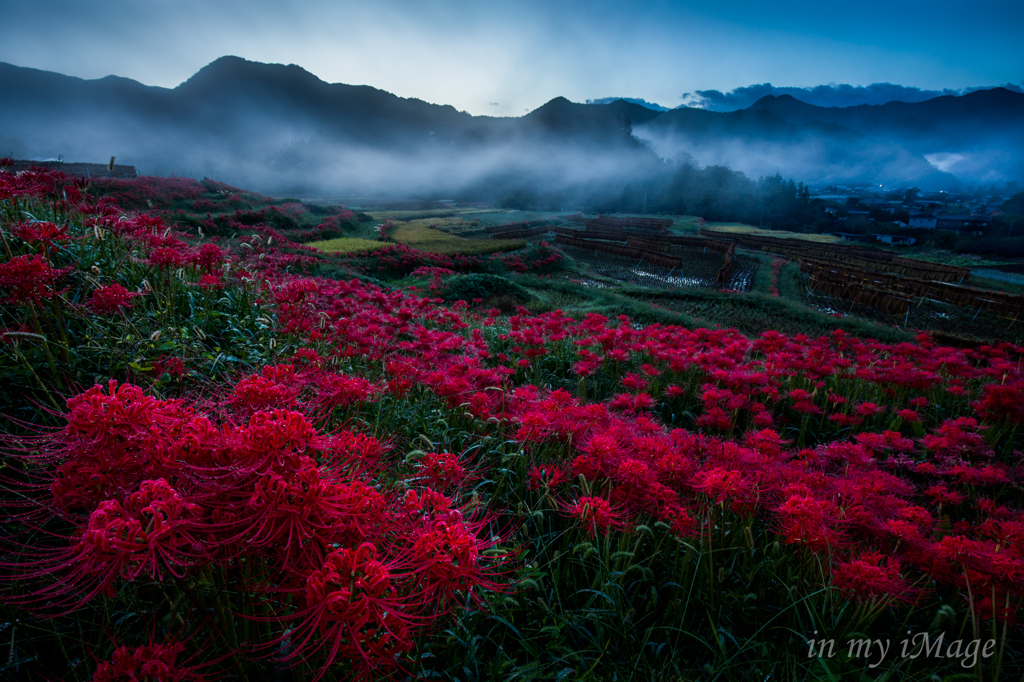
535, 259
28, 279
894, 469
110, 299
154, 662
159, 491
852, 494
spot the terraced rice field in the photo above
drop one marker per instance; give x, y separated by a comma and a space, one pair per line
699, 269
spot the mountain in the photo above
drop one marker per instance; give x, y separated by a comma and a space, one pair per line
632, 100
279, 128
977, 135
274, 127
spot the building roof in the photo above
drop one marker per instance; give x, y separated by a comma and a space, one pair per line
966, 218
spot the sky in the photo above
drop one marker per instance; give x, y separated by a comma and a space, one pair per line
505, 59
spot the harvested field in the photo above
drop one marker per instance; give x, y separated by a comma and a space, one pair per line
695, 269
853, 283
846, 255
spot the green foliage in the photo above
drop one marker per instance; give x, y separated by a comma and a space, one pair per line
483, 286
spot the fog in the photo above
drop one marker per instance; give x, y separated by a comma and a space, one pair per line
803, 154
280, 130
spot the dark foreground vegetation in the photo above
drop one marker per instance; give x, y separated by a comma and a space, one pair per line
227, 455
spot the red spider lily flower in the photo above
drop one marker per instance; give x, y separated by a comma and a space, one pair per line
44, 233
257, 393
803, 402
441, 470
904, 531
675, 469
29, 279
295, 514
715, 419
166, 257
1003, 402
111, 299
941, 494
720, 484
955, 557
766, 442
631, 404
634, 382
445, 559
919, 516
650, 370
342, 391
869, 409
308, 356
166, 365
276, 441
114, 440
634, 474
584, 368
961, 550
152, 534
672, 392
208, 257
681, 524
956, 440
152, 529
809, 522
210, 282
152, 662
588, 466
426, 502
596, 514
354, 612
548, 476
345, 449
1003, 613
909, 416
871, 576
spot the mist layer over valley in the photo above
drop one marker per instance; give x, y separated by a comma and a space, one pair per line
280, 129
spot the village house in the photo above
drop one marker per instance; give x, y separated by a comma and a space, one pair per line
963, 223
927, 221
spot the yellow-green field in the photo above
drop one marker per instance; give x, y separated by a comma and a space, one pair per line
739, 228
419, 236
348, 245
402, 215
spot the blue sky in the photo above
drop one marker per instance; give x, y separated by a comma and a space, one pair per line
508, 58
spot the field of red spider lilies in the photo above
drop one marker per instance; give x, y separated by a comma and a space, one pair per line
216, 467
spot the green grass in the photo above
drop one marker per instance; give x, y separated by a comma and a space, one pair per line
348, 245
750, 313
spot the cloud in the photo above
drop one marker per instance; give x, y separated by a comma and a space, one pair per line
831, 95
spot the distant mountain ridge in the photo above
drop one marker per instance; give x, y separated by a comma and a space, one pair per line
981, 127
274, 126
